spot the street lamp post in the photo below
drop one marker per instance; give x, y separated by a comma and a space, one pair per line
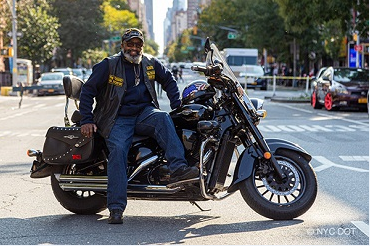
14, 37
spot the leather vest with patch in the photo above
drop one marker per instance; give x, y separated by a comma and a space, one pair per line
109, 100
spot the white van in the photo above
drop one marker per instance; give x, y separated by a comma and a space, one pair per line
237, 57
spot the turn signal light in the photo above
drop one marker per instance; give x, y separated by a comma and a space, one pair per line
32, 152
267, 155
262, 113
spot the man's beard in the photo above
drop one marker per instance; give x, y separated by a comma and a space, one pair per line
133, 59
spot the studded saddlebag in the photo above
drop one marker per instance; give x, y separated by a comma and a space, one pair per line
65, 145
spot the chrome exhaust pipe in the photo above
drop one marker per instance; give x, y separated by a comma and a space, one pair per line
100, 183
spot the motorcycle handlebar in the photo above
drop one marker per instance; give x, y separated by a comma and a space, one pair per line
209, 70
199, 69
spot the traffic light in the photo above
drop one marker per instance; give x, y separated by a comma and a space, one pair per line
7, 52
195, 30
354, 36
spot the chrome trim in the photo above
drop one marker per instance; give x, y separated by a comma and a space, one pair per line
202, 177
143, 165
150, 189
83, 179
201, 167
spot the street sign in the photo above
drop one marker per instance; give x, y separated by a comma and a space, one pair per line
231, 35
115, 39
19, 34
358, 48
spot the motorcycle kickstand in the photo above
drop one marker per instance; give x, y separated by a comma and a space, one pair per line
201, 209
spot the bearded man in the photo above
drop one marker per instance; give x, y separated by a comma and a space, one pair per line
123, 86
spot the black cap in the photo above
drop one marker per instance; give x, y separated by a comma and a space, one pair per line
132, 33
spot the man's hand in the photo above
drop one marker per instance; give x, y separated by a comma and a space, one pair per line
87, 130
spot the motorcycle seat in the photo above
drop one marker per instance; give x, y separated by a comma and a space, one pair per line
138, 138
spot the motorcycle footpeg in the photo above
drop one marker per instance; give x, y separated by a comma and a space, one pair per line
182, 182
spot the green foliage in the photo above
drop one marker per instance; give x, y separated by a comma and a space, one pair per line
333, 36
151, 47
218, 16
117, 20
93, 56
39, 30
81, 25
119, 4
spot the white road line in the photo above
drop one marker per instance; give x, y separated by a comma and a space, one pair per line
326, 164
326, 115
312, 128
354, 158
299, 109
39, 105
362, 226
340, 118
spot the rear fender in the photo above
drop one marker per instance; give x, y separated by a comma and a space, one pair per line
249, 158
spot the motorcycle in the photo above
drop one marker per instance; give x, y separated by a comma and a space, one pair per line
218, 125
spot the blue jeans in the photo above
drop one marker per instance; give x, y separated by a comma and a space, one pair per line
151, 122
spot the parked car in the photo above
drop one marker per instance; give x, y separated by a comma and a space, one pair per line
251, 77
64, 70
52, 83
79, 72
339, 87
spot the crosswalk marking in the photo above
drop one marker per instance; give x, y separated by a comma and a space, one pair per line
354, 158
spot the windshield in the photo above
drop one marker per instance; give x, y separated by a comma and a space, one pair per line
52, 76
344, 75
216, 57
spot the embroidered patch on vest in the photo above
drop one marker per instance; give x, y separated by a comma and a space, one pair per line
114, 80
150, 72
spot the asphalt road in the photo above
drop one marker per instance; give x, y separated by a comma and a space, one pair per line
338, 142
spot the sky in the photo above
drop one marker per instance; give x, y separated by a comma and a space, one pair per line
159, 14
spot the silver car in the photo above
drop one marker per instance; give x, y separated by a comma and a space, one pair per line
52, 83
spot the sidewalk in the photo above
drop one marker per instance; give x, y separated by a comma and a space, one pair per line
282, 95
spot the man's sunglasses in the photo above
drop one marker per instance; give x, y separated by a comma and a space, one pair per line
136, 44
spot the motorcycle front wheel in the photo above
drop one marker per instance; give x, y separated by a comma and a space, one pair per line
282, 200
78, 202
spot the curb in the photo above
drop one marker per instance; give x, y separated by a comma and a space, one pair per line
288, 99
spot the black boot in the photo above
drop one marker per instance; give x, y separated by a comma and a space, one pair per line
184, 173
115, 217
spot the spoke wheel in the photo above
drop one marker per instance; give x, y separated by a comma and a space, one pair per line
281, 199
77, 201
282, 192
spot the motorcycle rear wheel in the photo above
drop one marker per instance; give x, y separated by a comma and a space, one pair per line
78, 202
282, 200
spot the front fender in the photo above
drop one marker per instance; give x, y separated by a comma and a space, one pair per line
249, 158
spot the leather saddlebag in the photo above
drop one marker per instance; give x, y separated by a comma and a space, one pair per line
65, 145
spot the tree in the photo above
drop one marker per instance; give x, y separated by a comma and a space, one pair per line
39, 31
263, 28
81, 26
258, 25
117, 20
151, 47
217, 19
331, 20
93, 56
